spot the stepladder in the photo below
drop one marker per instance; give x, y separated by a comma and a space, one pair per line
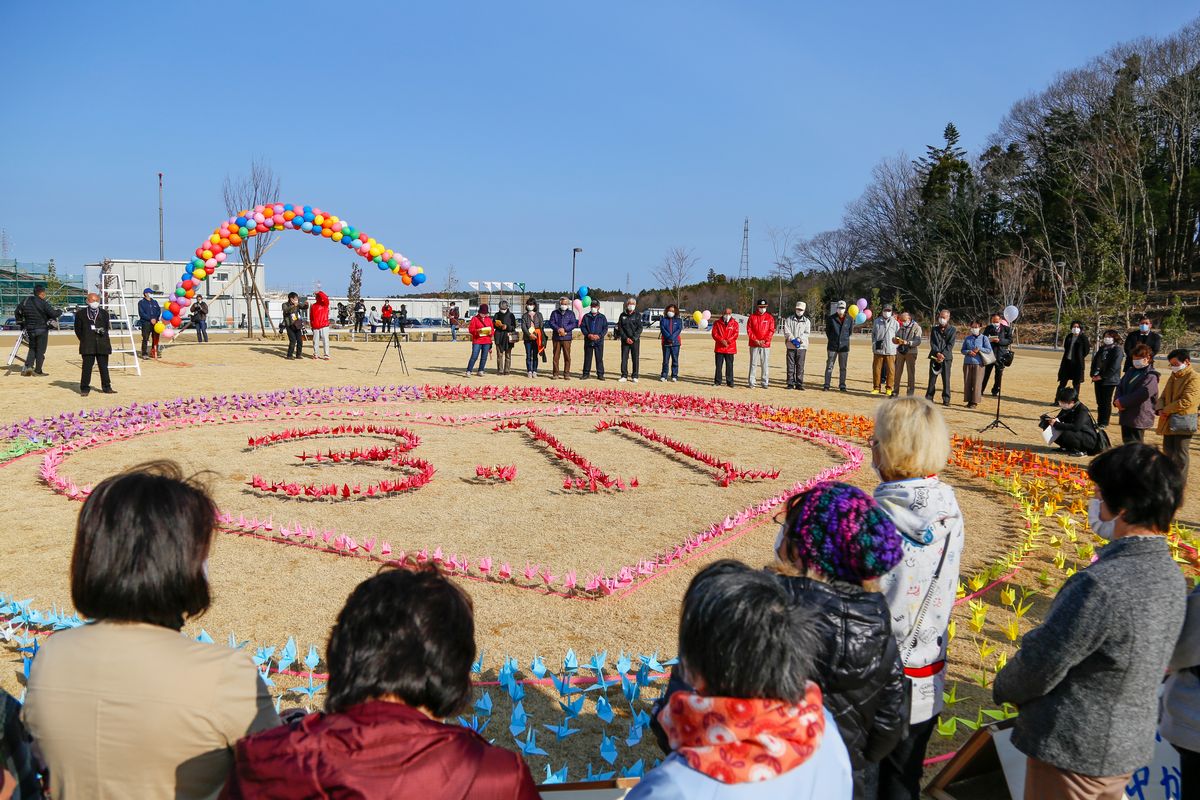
113, 300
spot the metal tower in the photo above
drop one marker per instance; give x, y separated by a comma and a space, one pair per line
744, 268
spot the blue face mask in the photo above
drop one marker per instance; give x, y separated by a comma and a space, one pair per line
1145, 328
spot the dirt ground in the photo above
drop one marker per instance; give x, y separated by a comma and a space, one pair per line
265, 592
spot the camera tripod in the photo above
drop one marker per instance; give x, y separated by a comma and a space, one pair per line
393, 342
997, 422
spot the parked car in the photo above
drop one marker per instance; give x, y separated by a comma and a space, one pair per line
66, 321
432, 322
413, 322
10, 324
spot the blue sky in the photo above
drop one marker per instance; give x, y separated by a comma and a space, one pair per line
497, 136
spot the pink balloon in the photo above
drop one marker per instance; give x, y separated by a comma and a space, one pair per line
706, 315
578, 306
220, 257
868, 312
210, 263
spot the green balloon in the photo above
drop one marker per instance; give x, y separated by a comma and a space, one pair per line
587, 301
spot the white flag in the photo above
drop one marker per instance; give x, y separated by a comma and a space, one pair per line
474, 285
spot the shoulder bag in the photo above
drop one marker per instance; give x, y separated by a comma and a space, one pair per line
1181, 423
988, 357
910, 643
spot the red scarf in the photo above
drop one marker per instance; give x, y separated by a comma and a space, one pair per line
734, 740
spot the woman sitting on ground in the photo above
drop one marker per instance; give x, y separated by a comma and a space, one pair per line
1074, 431
400, 660
751, 725
840, 542
125, 706
910, 447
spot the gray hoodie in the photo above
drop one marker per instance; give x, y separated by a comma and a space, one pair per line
926, 513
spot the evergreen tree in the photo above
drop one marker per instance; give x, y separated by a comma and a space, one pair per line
354, 292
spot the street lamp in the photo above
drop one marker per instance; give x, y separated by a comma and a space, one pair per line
574, 253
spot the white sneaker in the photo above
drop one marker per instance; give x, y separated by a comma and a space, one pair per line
751, 385
662, 380
766, 386
674, 380
621, 379
633, 379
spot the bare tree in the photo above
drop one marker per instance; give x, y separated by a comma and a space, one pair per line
837, 253
937, 273
260, 185
675, 270
354, 290
451, 280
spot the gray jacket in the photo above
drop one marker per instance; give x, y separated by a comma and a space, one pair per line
1086, 680
796, 328
1181, 694
882, 333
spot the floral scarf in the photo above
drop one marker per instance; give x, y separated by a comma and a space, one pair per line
735, 740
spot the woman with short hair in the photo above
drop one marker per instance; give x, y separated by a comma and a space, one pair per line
1074, 431
125, 706
400, 660
910, 446
749, 723
1075, 352
1136, 394
976, 348
1086, 680
1106, 374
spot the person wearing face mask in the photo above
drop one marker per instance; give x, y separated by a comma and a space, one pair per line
481, 330
1136, 394
1087, 679
91, 329
595, 327
1106, 374
563, 323
760, 329
725, 334
505, 338
198, 312
838, 327
1142, 334
941, 355
796, 330
1075, 352
670, 328
1000, 337
629, 331
1177, 408
909, 447
401, 320
977, 351
1072, 429
908, 340
883, 351
534, 334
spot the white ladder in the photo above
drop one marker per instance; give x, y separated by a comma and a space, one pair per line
112, 299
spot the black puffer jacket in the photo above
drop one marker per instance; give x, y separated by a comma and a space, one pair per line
858, 668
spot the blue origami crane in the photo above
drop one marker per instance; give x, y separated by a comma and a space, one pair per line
572, 707
636, 771
477, 667
555, 777
483, 706
538, 667
598, 776
516, 691
234, 644
518, 722
598, 661
608, 749
623, 663
288, 656
474, 724
604, 709
263, 655
571, 662
631, 689
312, 659
529, 746
635, 734
562, 731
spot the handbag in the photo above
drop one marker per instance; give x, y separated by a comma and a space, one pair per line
1007, 359
910, 644
1181, 423
988, 357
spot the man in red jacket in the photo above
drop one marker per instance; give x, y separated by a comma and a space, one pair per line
399, 660
318, 320
725, 334
760, 329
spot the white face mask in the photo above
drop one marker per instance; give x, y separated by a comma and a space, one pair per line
94, 305
1140, 363
670, 315
944, 321
1101, 527
799, 312
887, 315
562, 307
1075, 331
1108, 340
531, 307
595, 310
975, 331
762, 311
727, 317
630, 307
1177, 367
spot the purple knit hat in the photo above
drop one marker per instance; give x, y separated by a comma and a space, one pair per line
840, 530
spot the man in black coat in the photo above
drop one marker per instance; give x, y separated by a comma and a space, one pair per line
37, 315
1000, 335
941, 355
1144, 334
629, 331
505, 323
838, 327
91, 329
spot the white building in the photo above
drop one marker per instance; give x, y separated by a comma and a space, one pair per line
161, 276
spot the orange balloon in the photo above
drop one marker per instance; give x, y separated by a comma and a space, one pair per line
190, 293
288, 215
326, 233
407, 280
235, 239
224, 242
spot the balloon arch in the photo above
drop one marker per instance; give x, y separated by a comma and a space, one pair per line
231, 233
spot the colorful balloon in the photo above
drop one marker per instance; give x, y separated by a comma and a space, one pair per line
860, 319
862, 304
1011, 313
583, 292
697, 317
868, 313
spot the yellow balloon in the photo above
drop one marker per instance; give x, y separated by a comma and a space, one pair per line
337, 236
199, 274
159, 327
696, 315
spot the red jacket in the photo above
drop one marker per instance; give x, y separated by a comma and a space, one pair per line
760, 328
725, 335
387, 311
375, 749
479, 322
318, 311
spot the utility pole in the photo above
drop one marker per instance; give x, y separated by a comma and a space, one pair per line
161, 250
574, 253
744, 267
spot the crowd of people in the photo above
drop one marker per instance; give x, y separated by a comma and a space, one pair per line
820, 676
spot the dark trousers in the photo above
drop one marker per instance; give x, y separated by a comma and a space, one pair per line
1130, 435
531, 356
1074, 384
1189, 774
670, 359
101, 362
593, 350
841, 358
795, 368
358, 322
998, 368
630, 351
148, 337
1104, 406
900, 772
201, 330
387, 325
724, 363
930, 390
36, 356
1076, 441
295, 342
1177, 447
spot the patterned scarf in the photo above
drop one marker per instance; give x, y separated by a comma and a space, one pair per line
734, 740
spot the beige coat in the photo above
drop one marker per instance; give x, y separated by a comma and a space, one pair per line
123, 710
1181, 395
